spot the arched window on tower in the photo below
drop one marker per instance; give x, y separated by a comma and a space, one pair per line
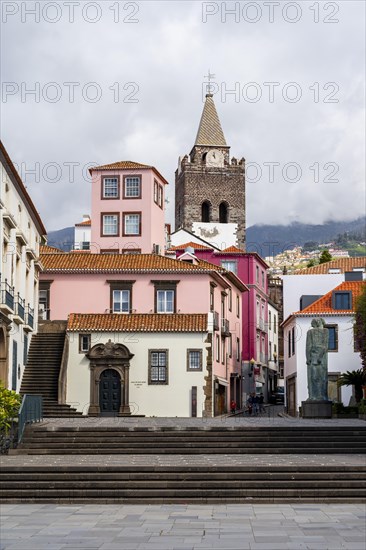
205, 211
223, 213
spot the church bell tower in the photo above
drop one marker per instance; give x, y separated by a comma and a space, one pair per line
210, 187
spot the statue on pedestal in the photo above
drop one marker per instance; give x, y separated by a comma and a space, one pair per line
317, 361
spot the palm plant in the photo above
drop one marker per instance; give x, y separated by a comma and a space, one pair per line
356, 378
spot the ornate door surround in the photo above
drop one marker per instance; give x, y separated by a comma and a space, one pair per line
109, 356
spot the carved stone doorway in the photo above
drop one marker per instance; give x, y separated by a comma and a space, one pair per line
109, 379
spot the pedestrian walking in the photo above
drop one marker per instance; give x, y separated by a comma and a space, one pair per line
233, 406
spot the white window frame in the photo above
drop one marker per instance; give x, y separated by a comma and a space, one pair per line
127, 221
106, 190
163, 301
112, 223
124, 300
136, 185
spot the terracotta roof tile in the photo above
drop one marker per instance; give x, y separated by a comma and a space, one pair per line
344, 264
232, 250
84, 223
46, 249
196, 246
92, 263
137, 322
324, 304
128, 165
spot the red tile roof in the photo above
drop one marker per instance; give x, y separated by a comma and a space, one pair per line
191, 244
232, 250
344, 264
128, 165
324, 304
137, 322
86, 222
93, 263
47, 249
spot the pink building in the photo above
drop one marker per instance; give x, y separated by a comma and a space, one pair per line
251, 269
148, 284
127, 214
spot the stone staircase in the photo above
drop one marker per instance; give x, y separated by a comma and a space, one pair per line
185, 465
96, 440
182, 484
42, 372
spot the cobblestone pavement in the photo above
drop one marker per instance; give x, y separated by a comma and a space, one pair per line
183, 527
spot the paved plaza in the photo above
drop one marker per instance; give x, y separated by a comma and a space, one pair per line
183, 527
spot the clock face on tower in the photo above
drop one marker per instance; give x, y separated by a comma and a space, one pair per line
215, 158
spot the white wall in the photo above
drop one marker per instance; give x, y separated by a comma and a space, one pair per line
19, 248
173, 399
221, 235
294, 286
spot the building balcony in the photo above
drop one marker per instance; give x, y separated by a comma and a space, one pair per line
10, 220
225, 328
19, 310
7, 297
216, 324
29, 319
21, 238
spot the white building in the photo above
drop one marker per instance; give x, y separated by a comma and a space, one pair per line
22, 232
316, 281
337, 309
82, 234
161, 363
273, 351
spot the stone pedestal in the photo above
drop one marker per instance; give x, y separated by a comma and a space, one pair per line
316, 409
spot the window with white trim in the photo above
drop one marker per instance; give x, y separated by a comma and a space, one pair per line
121, 301
230, 265
110, 224
165, 301
132, 187
110, 188
132, 224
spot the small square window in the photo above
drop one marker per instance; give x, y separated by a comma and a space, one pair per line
84, 343
230, 265
342, 300
194, 359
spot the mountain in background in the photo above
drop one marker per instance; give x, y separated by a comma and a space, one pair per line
267, 240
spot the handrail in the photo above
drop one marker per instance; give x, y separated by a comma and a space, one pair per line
31, 410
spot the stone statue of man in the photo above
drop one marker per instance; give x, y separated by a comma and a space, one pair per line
317, 361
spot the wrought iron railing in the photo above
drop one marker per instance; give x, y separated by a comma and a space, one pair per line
7, 294
20, 307
29, 316
31, 410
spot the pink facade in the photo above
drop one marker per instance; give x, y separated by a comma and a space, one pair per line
252, 271
203, 292
127, 210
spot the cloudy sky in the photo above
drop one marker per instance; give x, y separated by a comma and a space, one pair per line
123, 81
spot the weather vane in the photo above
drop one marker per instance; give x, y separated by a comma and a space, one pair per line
209, 77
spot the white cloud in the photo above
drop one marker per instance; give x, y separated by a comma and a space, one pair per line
166, 54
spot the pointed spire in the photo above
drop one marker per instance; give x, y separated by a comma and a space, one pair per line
209, 130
